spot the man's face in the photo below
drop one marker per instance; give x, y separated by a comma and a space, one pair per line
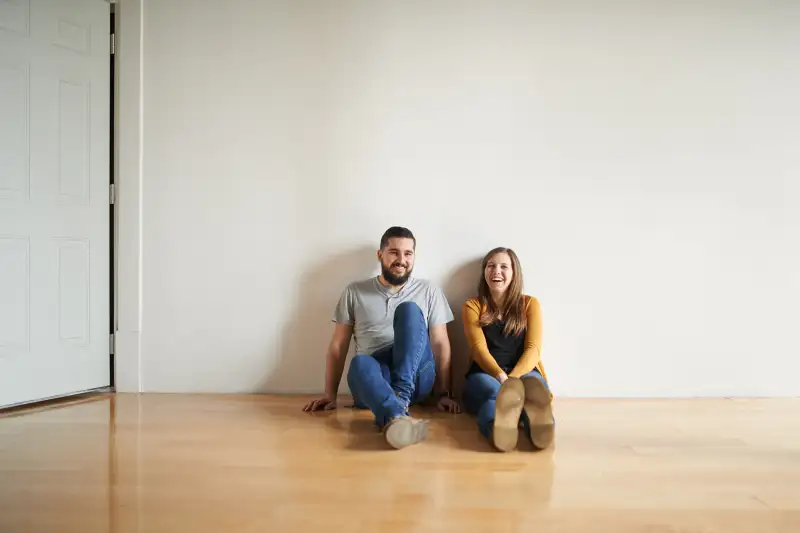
397, 260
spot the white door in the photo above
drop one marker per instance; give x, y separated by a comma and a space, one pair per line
54, 208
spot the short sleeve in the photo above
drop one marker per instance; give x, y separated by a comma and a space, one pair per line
439, 310
344, 313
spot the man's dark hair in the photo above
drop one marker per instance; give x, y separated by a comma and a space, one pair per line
397, 232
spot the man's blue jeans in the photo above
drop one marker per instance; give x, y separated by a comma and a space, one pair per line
393, 378
480, 395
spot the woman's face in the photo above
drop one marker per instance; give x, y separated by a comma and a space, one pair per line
499, 272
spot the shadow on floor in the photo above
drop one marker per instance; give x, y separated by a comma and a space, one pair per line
358, 431
364, 436
462, 432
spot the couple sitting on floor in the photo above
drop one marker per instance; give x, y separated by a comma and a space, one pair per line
399, 324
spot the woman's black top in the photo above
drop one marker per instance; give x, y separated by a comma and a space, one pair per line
506, 349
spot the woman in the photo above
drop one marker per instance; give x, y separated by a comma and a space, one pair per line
506, 383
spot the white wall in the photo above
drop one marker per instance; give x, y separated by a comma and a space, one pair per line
641, 157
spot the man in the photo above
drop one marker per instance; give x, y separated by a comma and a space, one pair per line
399, 324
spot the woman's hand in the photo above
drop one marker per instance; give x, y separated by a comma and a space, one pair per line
448, 405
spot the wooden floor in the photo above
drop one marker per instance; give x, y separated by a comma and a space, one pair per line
187, 463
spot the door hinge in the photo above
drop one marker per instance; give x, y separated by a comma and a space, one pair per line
112, 194
112, 344
113, 43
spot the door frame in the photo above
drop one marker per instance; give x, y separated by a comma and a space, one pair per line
112, 192
129, 164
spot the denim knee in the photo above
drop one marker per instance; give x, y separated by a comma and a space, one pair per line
536, 374
408, 310
478, 389
358, 366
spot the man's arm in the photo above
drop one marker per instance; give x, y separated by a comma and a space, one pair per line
334, 366
440, 344
337, 354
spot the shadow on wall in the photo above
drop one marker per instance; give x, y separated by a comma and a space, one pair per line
460, 285
307, 333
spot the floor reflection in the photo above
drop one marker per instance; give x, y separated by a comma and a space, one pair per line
164, 463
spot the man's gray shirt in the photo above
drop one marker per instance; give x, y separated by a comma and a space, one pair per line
369, 306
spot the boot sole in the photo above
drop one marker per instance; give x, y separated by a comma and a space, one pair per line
538, 407
404, 433
508, 408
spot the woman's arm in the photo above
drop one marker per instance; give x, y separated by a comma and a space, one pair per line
477, 341
533, 341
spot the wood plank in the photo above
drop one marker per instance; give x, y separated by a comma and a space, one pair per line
164, 463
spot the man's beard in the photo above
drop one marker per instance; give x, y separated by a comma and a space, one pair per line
392, 278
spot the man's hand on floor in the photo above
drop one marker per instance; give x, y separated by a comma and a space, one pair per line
321, 404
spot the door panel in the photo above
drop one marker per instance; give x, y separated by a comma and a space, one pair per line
54, 216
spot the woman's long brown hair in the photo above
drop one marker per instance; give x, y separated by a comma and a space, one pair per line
512, 309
